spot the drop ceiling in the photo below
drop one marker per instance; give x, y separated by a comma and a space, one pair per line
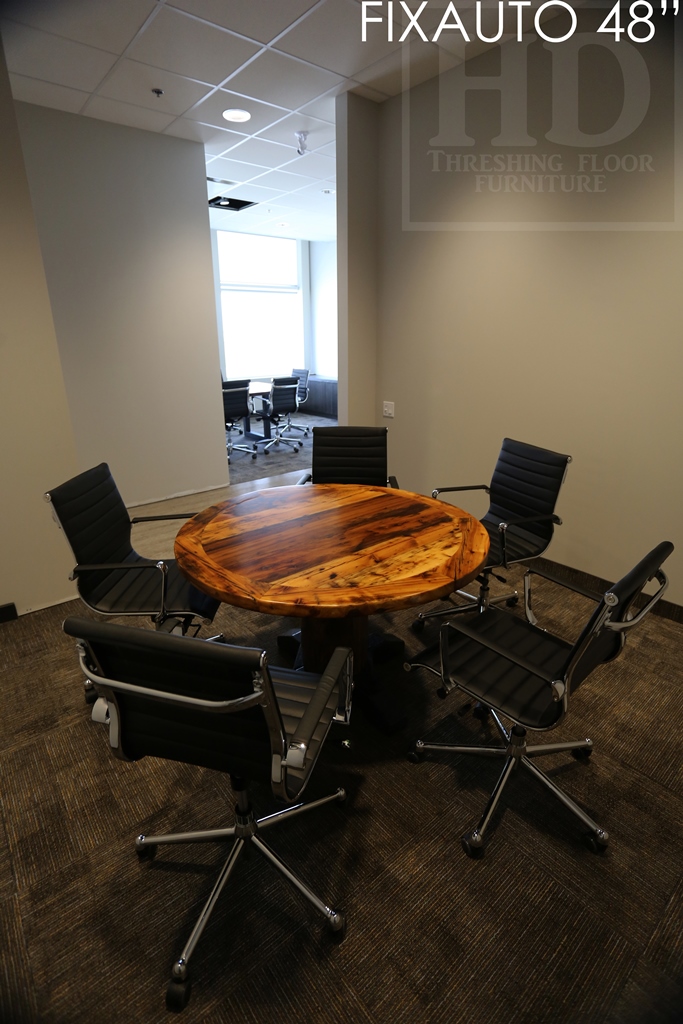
173, 67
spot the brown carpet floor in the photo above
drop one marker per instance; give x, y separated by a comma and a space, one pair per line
540, 930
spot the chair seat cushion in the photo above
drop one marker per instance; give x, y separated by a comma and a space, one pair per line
137, 591
519, 544
502, 685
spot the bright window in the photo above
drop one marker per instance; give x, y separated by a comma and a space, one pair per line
261, 305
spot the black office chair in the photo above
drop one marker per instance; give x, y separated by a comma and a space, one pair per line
236, 405
528, 675
349, 455
112, 578
301, 398
224, 708
281, 402
520, 519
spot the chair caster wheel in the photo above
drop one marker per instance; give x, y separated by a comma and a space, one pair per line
90, 695
472, 850
594, 843
301, 444
418, 626
582, 753
481, 712
415, 757
254, 455
337, 927
146, 852
512, 601
178, 994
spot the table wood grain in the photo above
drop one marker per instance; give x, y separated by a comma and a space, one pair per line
330, 550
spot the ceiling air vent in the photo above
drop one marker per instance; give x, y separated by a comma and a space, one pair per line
226, 203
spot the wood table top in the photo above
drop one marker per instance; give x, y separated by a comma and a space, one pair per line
330, 550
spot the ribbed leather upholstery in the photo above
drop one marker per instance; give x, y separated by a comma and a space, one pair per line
514, 691
235, 401
302, 386
525, 482
238, 743
283, 397
96, 523
350, 455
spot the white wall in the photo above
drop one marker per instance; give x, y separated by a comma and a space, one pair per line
124, 229
566, 339
37, 449
323, 271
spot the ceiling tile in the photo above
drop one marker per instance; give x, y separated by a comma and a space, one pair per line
126, 113
210, 111
254, 193
323, 108
319, 132
216, 140
46, 94
276, 78
331, 36
232, 169
313, 165
214, 188
419, 62
179, 43
49, 58
259, 151
258, 19
133, 82
100, 23
284, 181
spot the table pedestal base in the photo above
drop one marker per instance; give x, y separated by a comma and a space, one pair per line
319, 637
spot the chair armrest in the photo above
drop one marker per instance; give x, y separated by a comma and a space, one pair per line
101, 566
154, 519
340, 663
306, 478
393, 482
470, 487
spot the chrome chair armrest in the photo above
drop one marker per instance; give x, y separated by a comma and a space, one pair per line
469, 487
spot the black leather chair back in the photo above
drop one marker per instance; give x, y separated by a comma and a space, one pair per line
235, 401
283, 396
238, 742
350, 455
302, 388
94, 519
526, 482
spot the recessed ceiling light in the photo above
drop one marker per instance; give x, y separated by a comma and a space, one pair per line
235, 114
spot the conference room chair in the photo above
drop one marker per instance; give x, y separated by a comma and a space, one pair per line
349, 455
111, 577
236, 406
525, 674
281, 402
301, 398
520, 520
223, 708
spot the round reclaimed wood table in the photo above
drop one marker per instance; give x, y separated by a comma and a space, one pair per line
330, 554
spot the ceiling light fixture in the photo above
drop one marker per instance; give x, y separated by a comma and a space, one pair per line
236, 114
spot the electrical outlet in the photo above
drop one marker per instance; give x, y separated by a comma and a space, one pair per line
388, 410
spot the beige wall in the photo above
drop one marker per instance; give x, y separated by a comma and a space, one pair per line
37, 448
124, 229
565, 339
357, 139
